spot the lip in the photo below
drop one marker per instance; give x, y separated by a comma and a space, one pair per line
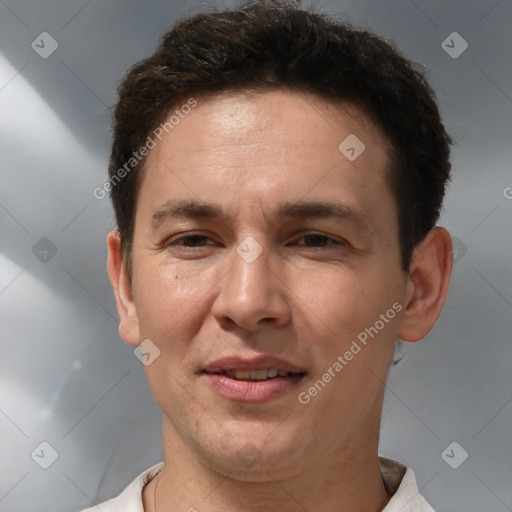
260, 362
251, 391
246, 391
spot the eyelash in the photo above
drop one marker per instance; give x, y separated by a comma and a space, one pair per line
176, 241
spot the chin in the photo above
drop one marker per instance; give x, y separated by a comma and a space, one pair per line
250, 454
246, 468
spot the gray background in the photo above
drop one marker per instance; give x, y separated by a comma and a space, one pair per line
69, 380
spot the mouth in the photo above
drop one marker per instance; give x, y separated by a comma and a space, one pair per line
257, 375
255, 380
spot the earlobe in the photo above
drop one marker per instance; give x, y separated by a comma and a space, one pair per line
121, 283
428, 283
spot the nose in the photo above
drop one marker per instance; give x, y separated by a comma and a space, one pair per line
251, 294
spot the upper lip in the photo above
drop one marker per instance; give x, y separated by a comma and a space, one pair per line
260, 362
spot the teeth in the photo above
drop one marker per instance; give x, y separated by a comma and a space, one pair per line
256, 374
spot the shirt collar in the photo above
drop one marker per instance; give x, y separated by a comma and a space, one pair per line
399, 480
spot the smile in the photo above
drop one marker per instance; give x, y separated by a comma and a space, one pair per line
252, 386
256, 375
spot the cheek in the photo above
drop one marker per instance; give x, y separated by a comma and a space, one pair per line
337, 306
333, 297
168, 298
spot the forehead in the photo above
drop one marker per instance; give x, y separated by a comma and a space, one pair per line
234, 118
257, 147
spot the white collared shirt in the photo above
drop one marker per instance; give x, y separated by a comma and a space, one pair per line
399, 481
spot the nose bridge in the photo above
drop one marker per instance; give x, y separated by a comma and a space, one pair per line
250, 291
251, 269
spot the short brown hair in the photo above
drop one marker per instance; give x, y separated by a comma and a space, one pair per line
278, 44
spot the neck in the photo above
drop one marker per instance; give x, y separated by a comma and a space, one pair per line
341, 480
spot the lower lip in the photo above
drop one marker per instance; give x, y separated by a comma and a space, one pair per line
251, 391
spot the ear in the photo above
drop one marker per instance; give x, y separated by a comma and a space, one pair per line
121, 283
428, 283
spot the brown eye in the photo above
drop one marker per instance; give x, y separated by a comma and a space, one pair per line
193, 240
188, 241
316, 240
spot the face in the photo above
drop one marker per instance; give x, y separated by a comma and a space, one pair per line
260, 244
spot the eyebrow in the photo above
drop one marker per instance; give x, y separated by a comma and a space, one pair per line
194, 209
316, 209
186, 208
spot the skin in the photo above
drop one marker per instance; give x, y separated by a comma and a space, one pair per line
304, 299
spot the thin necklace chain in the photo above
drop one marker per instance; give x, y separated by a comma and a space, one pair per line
154, 496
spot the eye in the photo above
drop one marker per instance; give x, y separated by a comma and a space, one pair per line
316, 240
188, 241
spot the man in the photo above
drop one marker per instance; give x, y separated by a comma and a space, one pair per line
276, 177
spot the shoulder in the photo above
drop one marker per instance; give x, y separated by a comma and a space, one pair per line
401, 484
130, 500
